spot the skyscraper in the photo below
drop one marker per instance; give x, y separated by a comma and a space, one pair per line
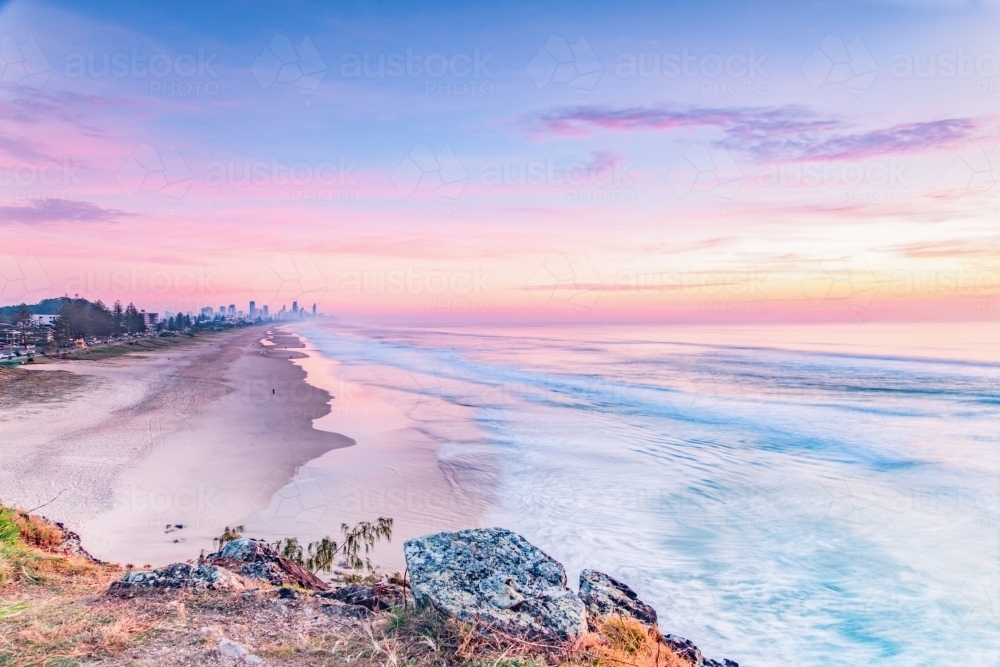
253, 310
232, 310
295, 307
314, 310
266, 315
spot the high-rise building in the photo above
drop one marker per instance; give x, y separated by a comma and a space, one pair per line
314, 310
253, 310
232, 310
295, 307
266, 313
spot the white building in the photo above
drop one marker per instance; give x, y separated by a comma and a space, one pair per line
44, 320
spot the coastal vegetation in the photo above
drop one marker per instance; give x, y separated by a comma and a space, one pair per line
55, 610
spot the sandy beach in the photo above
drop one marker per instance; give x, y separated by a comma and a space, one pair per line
149, 456
397, 469
126, 450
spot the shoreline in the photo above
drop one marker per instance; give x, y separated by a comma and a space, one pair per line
396, 469
190, 437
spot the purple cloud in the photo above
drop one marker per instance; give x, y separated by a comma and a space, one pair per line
775, 133
60, 210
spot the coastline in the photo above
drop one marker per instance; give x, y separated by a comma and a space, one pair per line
189, 437
396, 469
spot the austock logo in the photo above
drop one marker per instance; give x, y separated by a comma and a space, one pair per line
150, 170
425, 171
973, 170
284, 62
845, 280
711, 170
557, 61
23, 64
22, 280
834, 62
285, 278
562, 280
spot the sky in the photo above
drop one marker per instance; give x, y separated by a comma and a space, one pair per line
506, 163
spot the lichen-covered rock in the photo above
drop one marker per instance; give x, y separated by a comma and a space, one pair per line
606, 596
496, 579
198, 577
256, 559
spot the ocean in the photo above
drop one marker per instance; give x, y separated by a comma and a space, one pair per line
806, 495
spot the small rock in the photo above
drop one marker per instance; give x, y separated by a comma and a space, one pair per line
286, 593
686, 649
606, 596
234, 650
497, 579
344, 610
374, 598
256, 559
177, 576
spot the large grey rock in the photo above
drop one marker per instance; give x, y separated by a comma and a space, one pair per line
198, 577
497, 579
257, 559
606, 596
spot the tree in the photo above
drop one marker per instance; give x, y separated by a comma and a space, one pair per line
25, 325
117, 318
134, 322
322, 554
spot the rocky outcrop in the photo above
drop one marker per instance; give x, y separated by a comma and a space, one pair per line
606, 596
256, 559
178, 576
686, 649
496, 579
71, 544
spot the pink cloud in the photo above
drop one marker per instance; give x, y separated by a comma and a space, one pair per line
60, 210
769, 133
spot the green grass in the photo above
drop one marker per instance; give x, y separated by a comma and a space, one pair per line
10, 611
10, 536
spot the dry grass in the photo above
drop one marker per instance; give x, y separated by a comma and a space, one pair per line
54, 613
42, 621
624, 642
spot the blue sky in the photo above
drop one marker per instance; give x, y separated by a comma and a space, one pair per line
667, 139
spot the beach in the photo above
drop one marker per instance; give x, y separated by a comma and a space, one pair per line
150, 456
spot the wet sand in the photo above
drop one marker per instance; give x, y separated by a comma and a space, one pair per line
200, 437
395, 470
